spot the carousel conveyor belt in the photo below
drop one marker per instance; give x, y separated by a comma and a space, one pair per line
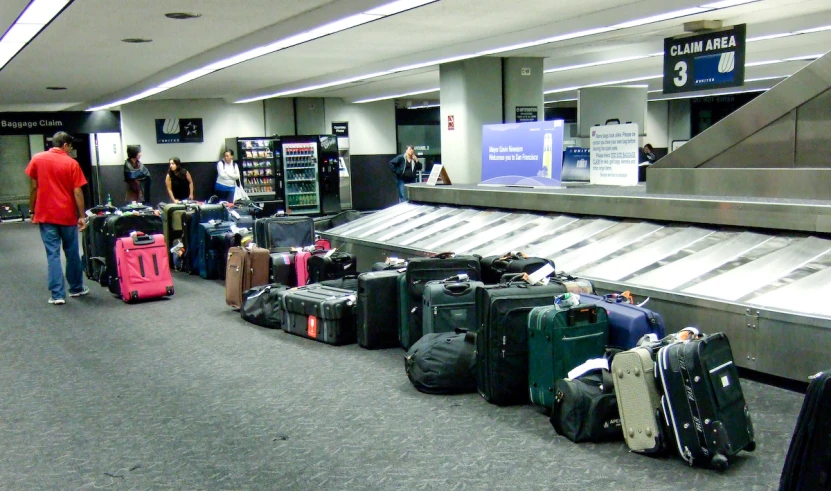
769, 292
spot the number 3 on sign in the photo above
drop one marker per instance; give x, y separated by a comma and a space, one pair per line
681, 79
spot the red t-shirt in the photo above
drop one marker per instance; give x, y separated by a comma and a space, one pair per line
57, 175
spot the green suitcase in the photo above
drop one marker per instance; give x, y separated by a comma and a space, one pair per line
560, 340
404, 308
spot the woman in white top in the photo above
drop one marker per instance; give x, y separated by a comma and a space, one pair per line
227, 174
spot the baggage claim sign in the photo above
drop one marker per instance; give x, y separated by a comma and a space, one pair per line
704, 61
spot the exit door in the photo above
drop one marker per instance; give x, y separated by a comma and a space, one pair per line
81, 153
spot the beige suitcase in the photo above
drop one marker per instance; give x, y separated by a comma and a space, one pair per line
636, 389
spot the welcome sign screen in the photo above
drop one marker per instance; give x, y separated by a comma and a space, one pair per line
522, 154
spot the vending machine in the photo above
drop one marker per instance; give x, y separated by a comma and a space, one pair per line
261, 169
311, 174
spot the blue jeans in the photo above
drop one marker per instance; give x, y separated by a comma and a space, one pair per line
53, 236
402, 191
224, 194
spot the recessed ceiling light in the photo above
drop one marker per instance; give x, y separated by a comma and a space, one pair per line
136, 40
55, 88
182, 15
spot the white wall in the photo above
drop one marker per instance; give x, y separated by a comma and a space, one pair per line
220, 119
110, 150
371, 125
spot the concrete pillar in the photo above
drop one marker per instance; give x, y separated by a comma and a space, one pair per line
522, 87
279, 117
310, 116
471, 95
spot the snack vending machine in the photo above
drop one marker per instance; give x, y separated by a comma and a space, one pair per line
260, 167
311, 174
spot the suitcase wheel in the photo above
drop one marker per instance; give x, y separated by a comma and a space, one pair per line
750, 447
169, 290
133, 295
719, 462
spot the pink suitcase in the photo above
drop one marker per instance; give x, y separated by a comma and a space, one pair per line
323, 244
301, 265
143, 267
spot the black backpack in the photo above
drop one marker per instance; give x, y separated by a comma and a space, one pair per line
443, 363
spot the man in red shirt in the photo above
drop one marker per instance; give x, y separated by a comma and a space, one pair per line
58, 205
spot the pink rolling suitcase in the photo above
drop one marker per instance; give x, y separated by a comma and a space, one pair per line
301, 265
143, 267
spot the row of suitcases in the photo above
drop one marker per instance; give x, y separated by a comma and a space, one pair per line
14, 213
513, 336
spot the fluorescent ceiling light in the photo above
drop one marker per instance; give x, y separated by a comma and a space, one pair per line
599, 63
803, 58
601, 84
561, 100
563, 37
386, 97
28, 25
761, 79
813, 30
788, 34
424, 106
339, 25
397, 7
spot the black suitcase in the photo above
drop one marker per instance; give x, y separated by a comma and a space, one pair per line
494, 267
808, 463
423, 269
282, 269
117, 226
321, 313
703, 402
282, 233
378, 309
331, 266
502, 341
96, 234
391, 264
349, 282
10, 213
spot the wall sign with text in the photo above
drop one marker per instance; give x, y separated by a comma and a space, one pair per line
527, 114
182, 130
49, 123
614, 155
522, 154
340, 130
705, 61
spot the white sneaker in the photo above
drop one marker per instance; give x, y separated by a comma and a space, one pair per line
81, 293
57, 301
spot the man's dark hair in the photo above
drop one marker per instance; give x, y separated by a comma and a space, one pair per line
133, 151
61, 138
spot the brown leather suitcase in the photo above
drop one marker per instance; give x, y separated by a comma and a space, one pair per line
245, 269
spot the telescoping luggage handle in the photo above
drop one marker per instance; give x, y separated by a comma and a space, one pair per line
140, 238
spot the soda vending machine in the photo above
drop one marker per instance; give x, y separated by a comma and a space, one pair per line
311, 174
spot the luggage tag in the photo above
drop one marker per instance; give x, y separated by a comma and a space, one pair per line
330, 252
233, 213
311, 327
541, 275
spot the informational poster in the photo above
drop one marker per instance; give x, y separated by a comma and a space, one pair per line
614, 155
451, 122
181, 130
705, 61
576, 164
522, 154
526, 114
340, 130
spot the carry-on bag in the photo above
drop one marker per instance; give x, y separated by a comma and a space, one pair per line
331, 266
283, 269
502, 340
627, 322
703, 402
639, 399
247, 268
443, 363
263, 306
377, 316
143, 270
585, 408
449, 304
321, 313
116, 227
203, 213
494, 267
301, 265
560, 339
423, 269
808, 461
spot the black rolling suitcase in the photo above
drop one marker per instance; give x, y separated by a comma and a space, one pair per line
494, 267
321, 313
117, 226
703, 402
391, 264
378, 309
198, 215
449, 305
502, 341
331, 266
423, 269
349, 282
808, 463
282, 233
282, 269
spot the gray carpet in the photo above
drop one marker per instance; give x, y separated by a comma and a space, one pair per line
183, 394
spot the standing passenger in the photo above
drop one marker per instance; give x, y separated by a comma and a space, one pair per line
405, 168
227, 174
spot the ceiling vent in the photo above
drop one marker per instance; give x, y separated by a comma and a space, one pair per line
182, 15
702, 26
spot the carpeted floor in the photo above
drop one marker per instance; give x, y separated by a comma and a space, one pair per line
183, 394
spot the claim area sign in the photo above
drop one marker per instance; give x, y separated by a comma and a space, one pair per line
705, 61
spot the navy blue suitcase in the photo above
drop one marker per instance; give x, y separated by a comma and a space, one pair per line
627, 322
201, 214
209, 258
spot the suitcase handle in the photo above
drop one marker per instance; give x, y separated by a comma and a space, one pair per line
139, 238
582, 313
457, 289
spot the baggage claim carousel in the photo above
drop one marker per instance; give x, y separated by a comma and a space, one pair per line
757, 270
